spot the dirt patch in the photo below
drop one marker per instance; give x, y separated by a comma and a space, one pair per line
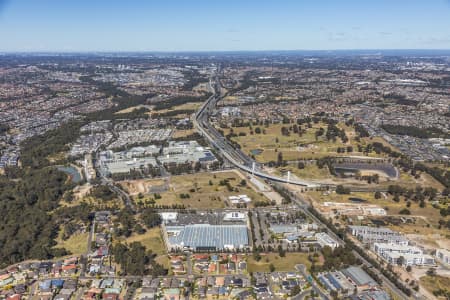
144, 186
81, 191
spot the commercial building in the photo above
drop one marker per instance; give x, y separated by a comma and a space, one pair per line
124, 161
325, 240
235, 216
186, 152
370, 235
349, 281
403, 254
206, 237
443, 255
204, 231
239, 199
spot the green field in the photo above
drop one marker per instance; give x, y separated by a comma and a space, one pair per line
434, 283
75, 244
311, 171
286, 263
152, 240
204, 190
292, 147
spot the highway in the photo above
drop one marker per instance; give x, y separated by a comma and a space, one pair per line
245, 163
234, 156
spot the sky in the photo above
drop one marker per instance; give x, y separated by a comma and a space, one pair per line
222, 25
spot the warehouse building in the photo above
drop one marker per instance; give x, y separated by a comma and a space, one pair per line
206, 237
186, 152
350, 281
205, 231
370, 235
443, 255
124, 161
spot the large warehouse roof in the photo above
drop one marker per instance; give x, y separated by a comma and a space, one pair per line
205, 236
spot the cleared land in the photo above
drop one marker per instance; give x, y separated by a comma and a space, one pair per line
98, 203
426, 218
206, 190
286, 263
182, 133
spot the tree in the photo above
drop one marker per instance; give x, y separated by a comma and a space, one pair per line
295, 290
408, 268
431, 272
404, 211
340, 189
272, 268
401, 261
150, 217
377, 195
280, 159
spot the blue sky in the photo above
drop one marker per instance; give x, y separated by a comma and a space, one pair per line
215, 25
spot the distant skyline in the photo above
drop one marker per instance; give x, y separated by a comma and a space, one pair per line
232, 25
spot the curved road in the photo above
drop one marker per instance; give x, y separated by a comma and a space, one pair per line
243, 162
236, 157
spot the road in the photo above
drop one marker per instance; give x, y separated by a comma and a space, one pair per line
227, 151
245, 163
303, 205
302, 269
128, 202
302, 295
84, 256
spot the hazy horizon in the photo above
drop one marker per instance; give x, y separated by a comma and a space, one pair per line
202, 26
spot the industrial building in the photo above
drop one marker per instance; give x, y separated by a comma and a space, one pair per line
370, 235
186, 151
206, 237
411, 255
141, 157
350, 281
325, 240
125, 161
204, 231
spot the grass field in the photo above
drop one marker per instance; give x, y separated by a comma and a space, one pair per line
130, 109
286, 263
311, 171
205, 196
152, 240
179, 110
434, 283
76, 244
294, 146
